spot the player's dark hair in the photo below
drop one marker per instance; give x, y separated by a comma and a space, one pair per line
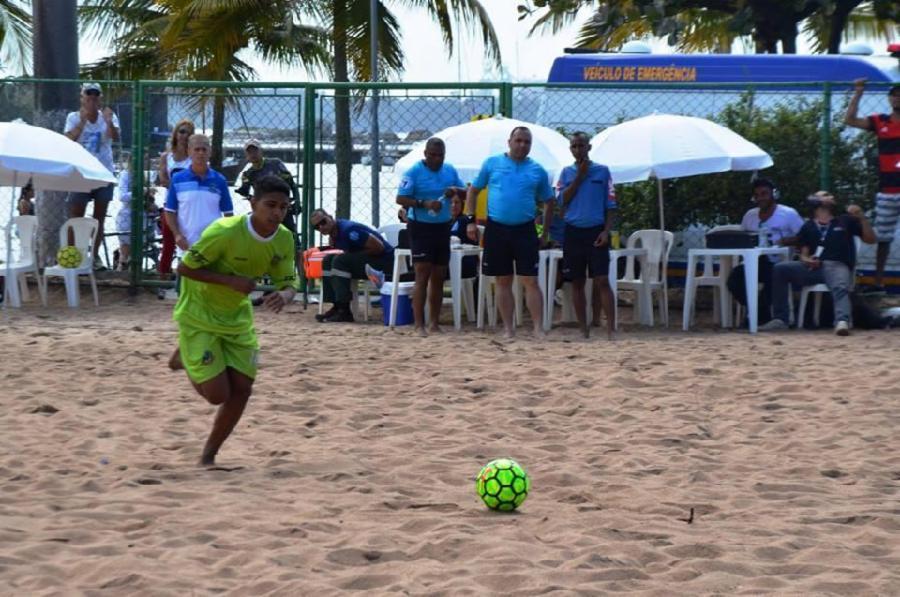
271, 184
582, 135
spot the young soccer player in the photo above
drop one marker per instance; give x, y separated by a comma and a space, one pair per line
216, 336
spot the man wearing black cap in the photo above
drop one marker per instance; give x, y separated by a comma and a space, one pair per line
261, 166
887, 203
96, 131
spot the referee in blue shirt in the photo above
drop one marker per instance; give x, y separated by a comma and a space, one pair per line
516, 185
588, 201
425, 191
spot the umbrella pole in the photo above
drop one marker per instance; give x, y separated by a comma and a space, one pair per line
664, 278
9, 225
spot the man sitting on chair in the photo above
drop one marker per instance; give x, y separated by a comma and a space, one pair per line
362, 246
781, 224
827, 256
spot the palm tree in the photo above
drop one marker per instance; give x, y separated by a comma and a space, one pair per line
15, 37
694, 25
348, 21
200, 40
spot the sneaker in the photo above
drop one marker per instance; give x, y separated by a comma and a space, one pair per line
842, 328
342, 315
773, 326
375, 277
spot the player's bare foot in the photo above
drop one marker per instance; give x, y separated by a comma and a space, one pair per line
421, 332
175, 361
208, 460
509, 334
435, 329
540, 334
586, 332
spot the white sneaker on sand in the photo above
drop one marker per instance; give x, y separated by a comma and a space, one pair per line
773, 326
842, 328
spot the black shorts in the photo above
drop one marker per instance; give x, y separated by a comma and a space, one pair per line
505, 246
430, 243
580, 255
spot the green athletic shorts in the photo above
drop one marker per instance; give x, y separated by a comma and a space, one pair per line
206, 355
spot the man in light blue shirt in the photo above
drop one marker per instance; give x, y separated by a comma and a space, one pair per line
425, 192
516, 184
588, 201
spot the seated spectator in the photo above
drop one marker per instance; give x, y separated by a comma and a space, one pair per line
458, 230
26, 200
362, 246
827, 255
781, 224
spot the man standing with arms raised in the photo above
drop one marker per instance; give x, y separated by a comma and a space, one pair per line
515, 184
887, 203
96, 130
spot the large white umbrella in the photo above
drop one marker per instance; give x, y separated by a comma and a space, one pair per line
669, 146
52, 161
469, 144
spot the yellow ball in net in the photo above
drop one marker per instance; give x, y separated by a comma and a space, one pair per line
69, 257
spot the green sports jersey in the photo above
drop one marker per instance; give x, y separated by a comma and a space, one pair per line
230, 246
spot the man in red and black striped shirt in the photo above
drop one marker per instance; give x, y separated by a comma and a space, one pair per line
887, 203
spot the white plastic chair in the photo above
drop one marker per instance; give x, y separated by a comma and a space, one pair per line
16, 289
653, 269
819, 289
84, 231
718, 282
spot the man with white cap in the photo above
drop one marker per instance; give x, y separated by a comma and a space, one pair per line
96, 131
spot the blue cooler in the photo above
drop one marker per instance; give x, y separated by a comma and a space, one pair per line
404, 303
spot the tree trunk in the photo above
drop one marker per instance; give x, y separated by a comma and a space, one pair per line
218, 131
55, 32
838, 22
343, 143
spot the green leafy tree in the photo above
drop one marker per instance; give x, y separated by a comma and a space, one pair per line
791, 133
15, 37
348, 21
711, 25
202, 40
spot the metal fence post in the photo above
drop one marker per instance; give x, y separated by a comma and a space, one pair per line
506, 99
825, 149
137, 189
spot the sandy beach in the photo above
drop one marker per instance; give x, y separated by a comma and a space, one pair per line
352, 469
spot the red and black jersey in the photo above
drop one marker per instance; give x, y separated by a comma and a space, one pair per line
888, 133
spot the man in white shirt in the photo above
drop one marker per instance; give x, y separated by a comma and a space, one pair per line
780, 224
96, 131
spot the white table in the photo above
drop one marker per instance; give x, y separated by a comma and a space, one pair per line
750, 259
457, 252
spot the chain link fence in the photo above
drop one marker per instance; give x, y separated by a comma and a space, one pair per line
801, 127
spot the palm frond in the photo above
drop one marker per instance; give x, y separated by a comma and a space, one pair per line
15, 37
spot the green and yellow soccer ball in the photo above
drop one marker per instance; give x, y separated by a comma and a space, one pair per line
502, 485
69, 257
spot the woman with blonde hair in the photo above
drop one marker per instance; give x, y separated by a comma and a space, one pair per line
170, 162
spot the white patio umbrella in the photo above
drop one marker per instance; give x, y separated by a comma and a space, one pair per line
669, 146
469, 144
52, 161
